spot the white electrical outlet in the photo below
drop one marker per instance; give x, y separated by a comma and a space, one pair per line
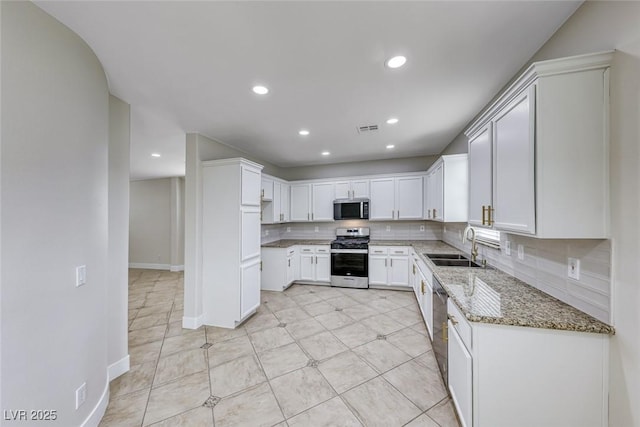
422, 228
521, 252
388, 228
317, 229
573, 268
507, 247
81, 275
288, 229
81, 395
266, 232
460, 234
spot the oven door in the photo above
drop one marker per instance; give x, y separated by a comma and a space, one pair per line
350, 268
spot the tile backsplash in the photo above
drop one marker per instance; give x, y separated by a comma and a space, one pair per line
545, 267
380, 230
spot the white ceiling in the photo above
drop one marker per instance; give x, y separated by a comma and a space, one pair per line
189, 67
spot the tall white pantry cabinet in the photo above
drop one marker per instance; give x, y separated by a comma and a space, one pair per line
230, 241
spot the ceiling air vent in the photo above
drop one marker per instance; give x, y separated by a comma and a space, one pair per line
368, 128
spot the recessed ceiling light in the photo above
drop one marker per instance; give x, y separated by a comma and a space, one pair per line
396, 62
155, 155
325, 153
304, 132
260, 90
392, 121
390, 146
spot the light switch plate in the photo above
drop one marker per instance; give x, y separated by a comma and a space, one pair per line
507, 247
288, 229
388, 228
316, 229
573, 268
81, 395
81, 275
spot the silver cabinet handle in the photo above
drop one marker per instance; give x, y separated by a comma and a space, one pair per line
385, 262
391, 262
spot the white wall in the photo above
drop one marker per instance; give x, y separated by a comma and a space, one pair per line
156, 224
371, 167
150, 223
55, 135
118, 274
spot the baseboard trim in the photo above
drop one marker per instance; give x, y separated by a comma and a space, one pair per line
94, 418
118, 368
176, 268
192, 322
149, 266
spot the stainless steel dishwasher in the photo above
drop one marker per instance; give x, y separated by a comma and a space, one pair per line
440, 335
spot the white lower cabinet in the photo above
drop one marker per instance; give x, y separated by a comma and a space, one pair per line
279, 268
505, 376
315, 263
421, 281
389, 266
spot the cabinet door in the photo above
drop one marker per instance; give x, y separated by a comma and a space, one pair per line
250, 288
251, 183
267, 189
307, 266
378, 270
285, 207
343, 190
277, 199
460, 376
250, 234
480, 175
409, 198
438, 193
323, 196
323, 267
514, 197
290, 269
399, 270
426, 306
300, 203
382, 205
360, 189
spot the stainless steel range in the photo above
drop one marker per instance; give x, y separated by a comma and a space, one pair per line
350, 258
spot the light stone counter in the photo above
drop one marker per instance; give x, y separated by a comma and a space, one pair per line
285, 243
489, 295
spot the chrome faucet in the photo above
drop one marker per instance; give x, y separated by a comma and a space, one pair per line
474, 246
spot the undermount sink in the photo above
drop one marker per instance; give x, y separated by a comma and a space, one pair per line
452, 260
455, 263
445, 256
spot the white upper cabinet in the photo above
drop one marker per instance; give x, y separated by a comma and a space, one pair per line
514, 201
275, 205
266, 191
322, 205
352, 189
382, 199
549, 139
447, 189
409, 197
396, 198
480, 176
300, 202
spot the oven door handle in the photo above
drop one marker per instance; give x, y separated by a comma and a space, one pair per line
349, 251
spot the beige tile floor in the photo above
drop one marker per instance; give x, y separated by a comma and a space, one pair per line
310, 356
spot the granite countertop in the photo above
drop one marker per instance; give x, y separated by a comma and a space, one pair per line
488, 295
285, 243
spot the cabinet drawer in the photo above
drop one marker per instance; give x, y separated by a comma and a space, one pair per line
460, 323
378, 250
306, 249
322, 250
395, 250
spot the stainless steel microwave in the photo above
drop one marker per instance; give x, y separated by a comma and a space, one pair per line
351, 209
